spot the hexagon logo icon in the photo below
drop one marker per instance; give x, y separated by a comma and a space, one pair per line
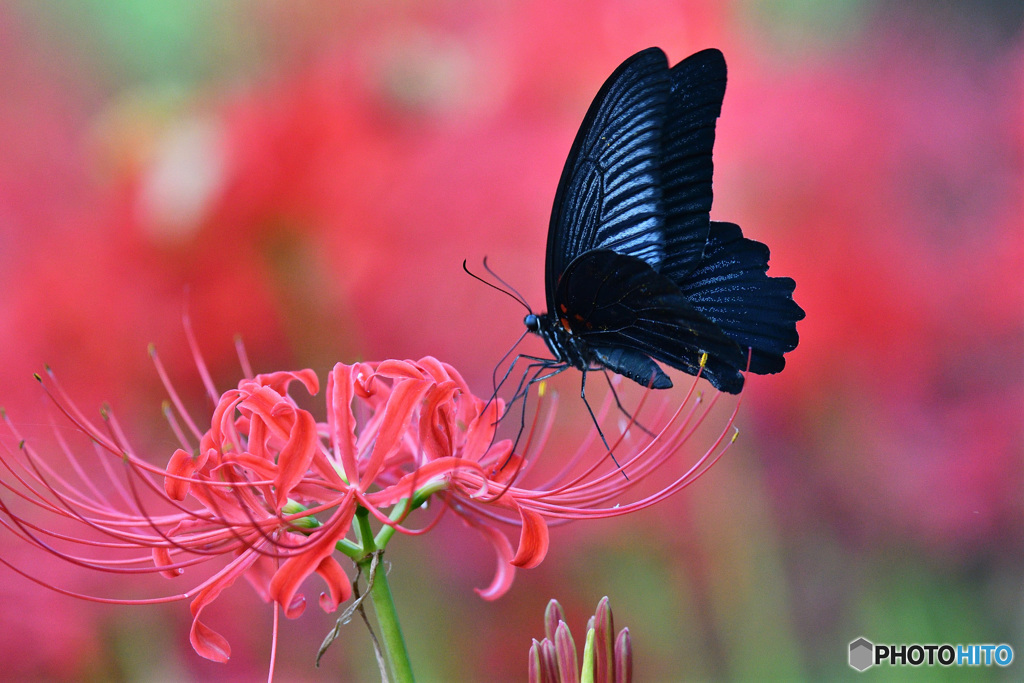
862, 654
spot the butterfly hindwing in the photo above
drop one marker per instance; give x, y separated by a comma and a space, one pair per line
731, 288
612, 300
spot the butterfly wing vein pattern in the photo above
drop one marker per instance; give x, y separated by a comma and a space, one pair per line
636, 271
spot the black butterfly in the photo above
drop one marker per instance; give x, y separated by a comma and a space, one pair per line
636, 270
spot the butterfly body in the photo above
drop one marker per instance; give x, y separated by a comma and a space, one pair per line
636, 272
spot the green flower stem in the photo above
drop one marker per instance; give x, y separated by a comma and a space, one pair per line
391, 640
402, 509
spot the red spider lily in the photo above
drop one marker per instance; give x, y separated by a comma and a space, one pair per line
276, 492
440, 440
235, 487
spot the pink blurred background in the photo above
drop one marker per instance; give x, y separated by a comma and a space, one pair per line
311, 178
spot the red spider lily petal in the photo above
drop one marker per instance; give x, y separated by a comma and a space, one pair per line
441, 371
400, 403
296, 456
205, 641
365, 384
262, 572
399, 369
340, 391
504, 574
279, 381
221, 422
181, 467
407, 485
208, 643
267, 406
511, 463
162, 558
437, 437
480, 433
264, 468
338, 586
533, 540
296, 568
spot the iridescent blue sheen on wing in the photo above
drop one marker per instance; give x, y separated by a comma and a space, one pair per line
610, 194
636, 271
731, 287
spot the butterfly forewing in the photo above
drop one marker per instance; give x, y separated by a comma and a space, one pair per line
698, 87
636, 270
609, 194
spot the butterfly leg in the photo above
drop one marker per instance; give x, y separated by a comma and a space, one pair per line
583, 395
542, 369
622, 408
536, 363
498, 385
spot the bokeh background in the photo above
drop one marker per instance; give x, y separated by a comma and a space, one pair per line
311, 175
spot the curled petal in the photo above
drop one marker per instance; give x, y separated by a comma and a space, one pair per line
363, 380
181, 467
339, 588
296, 455
162, 558
340, 392
437, 429
399, 369
260, 574
264, 469
279, 381
505, 572
296, 606
533, 541
401, 402
208, 643
507, 464
221, 423
480, 433
434, 368
423, 475
205, 641
269, 407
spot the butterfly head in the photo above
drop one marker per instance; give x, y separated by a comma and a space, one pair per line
532, 322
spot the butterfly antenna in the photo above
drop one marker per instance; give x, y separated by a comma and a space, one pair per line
510, 292
522, 299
